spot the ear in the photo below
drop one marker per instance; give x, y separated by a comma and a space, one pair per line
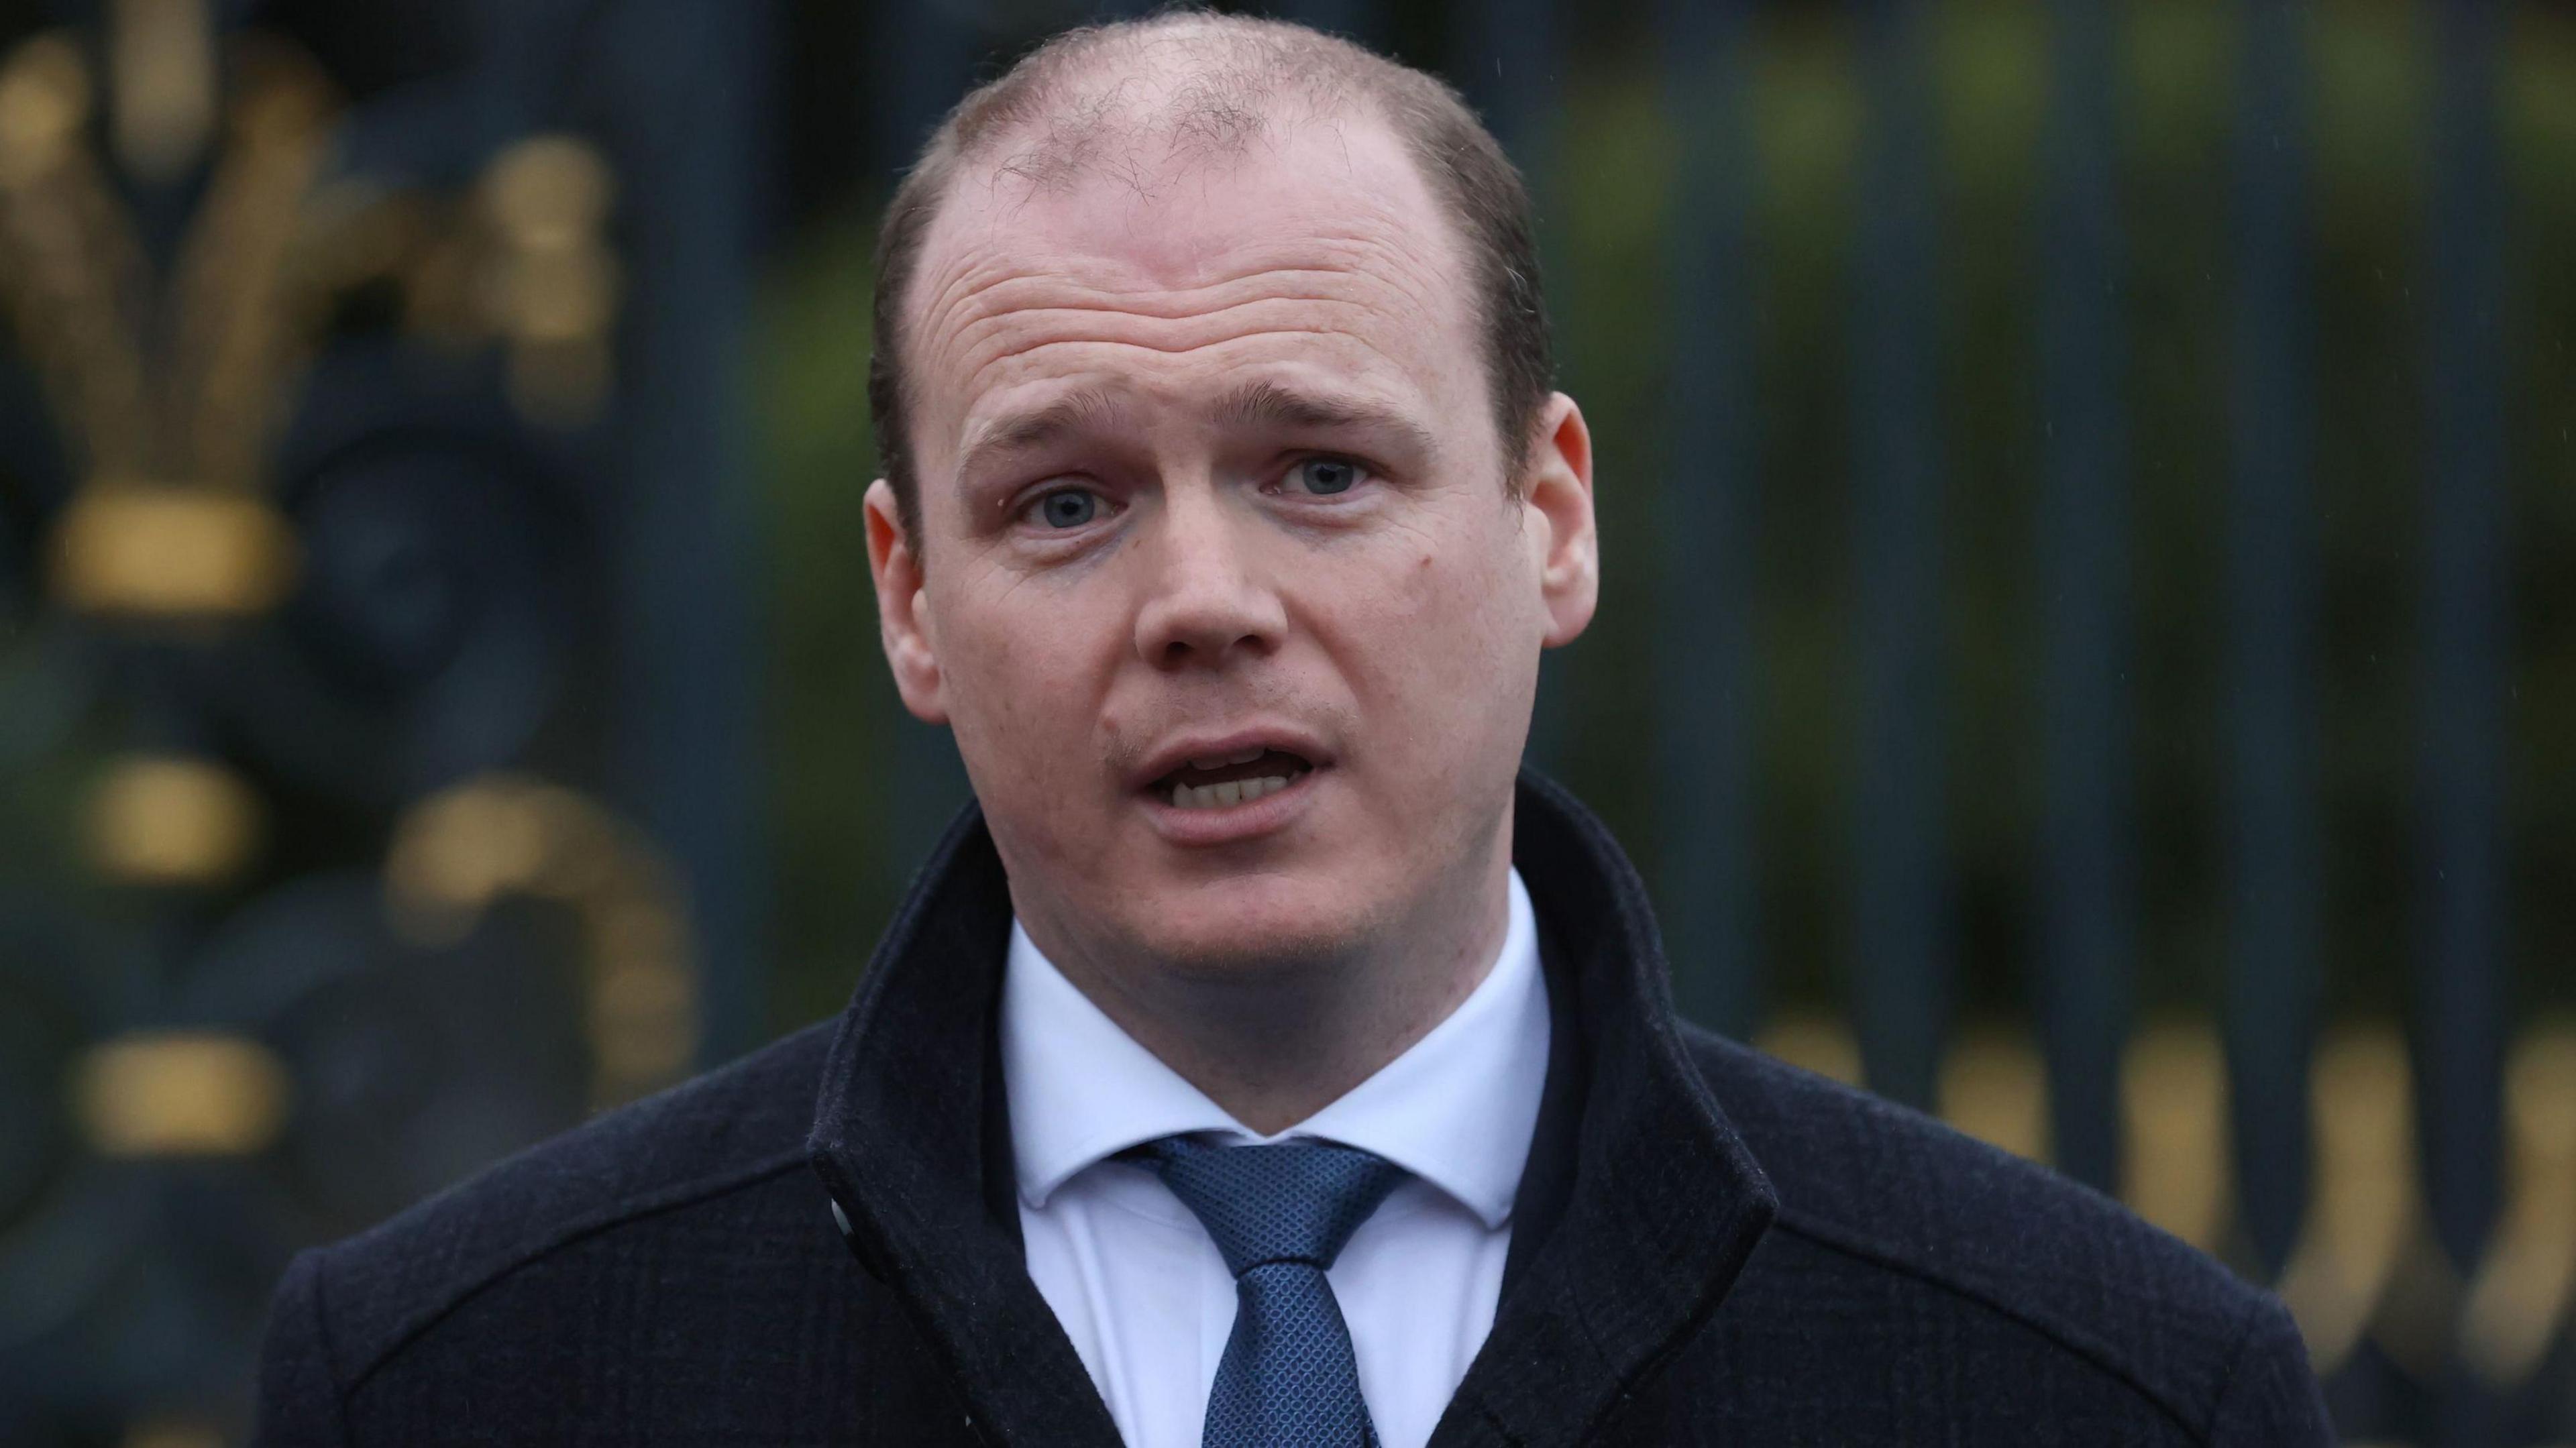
903, 609
1556, 492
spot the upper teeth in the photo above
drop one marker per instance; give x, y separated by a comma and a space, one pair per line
1233, 791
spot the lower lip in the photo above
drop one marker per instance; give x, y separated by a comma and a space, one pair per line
1227, 823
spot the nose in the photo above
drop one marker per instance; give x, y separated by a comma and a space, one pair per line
1207, 603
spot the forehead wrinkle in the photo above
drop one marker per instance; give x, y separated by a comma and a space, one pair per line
982, 265
1009, 333
1183, 348
1005, 293
965, 344
982, 387
999, 331
1376, 230
997, 297
1019, 298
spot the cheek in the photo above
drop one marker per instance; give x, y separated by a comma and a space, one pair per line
1021, 673
1475, 585
1446, 639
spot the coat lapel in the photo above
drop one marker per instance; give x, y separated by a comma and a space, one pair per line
1638, 1208
909, 1126
1640, 1203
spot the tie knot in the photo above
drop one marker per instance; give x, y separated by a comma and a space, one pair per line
1289, 1201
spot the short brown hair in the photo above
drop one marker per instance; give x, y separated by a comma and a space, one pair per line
1263, 59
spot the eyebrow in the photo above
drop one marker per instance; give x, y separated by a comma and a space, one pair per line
1067, 415
1260, 404
1253, 405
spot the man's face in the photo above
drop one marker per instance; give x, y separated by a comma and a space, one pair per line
1220, 579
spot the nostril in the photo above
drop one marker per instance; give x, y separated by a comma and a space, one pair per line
1208, 627
1176, 652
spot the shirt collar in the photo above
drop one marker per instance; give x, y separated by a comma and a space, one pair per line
1657, 1201
1457, 1108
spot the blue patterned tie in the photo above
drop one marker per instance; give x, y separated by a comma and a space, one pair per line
1279, 1214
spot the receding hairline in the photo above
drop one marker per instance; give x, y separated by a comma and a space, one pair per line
1224, 80
1037, 160
1070, 108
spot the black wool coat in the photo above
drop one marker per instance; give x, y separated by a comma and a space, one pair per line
819, 1244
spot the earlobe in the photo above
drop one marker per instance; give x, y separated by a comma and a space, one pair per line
1558, 493
903, 609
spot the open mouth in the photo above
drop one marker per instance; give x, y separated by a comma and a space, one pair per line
1228, 780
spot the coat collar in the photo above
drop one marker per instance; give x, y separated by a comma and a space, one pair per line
1639, 1206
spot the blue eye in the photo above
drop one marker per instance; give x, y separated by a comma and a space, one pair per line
1326, 476
1069, 507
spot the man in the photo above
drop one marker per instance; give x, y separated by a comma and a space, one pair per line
1266, 1060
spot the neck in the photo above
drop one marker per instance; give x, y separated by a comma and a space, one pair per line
1274, 1042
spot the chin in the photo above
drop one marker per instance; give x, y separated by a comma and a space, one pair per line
1256, 925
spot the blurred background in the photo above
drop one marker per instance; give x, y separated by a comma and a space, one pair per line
2088, 647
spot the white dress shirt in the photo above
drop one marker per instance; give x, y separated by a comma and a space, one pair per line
1135, 1279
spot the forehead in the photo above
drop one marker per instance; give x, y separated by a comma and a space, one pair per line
1317, 248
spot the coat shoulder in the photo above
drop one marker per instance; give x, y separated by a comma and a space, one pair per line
716, 1136
1888, 1191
